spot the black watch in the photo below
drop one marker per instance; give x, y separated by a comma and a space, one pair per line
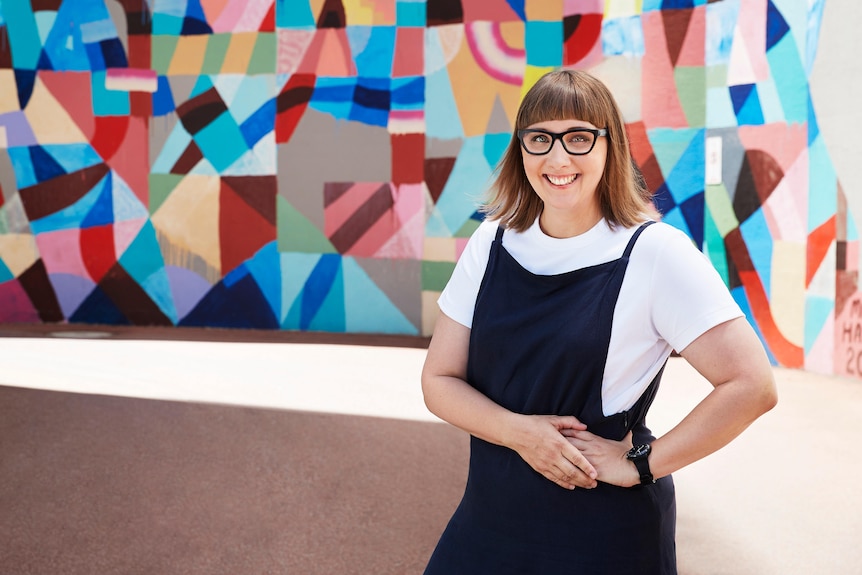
639, 456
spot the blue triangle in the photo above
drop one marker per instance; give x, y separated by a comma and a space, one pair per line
317, 287
45, 167
738, 95
24, 80
776, 26
693, 212
102, 211
518, 7
751, 114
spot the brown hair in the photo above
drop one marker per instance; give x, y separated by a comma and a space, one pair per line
565, 95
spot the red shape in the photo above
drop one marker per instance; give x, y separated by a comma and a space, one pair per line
489, 10
131, 161
15, 304
141, 104
409, 50
242, 229
73, 92
140, 51
583, 39
268, 24
291, 104
109, 134
97, 250
408, 158
818, 245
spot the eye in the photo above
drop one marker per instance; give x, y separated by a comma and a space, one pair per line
540, 138
579, 137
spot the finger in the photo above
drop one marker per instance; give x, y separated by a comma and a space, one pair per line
568, 422
573, 475
576, 458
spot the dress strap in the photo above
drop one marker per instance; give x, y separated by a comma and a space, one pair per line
634, 238
499, 235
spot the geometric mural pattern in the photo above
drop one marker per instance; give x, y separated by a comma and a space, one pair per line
316, 164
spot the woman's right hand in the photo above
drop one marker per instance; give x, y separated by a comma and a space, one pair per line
538, 439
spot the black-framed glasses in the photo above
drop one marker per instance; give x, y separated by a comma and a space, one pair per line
577, 141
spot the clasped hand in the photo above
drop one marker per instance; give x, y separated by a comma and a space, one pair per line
562, 450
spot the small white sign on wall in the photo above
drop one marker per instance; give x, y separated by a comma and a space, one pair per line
713, 160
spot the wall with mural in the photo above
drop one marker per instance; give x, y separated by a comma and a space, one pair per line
316, 164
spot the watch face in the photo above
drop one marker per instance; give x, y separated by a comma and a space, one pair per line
639, 451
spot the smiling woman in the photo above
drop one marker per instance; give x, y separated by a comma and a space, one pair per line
555, 329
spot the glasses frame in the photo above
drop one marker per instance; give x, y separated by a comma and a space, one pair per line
597, 133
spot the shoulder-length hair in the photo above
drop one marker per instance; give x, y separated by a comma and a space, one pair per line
564, 95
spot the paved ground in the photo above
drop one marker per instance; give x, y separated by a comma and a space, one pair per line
128, 455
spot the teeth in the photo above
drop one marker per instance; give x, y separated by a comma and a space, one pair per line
561, 181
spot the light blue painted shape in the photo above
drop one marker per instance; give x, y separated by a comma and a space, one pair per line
750, 114
366, 307
719, 108
73, 157
651, 5
44, 23
221, 142
170, 7
203, 84
434, 57
755, 232
812, 38
790, 78
409, 13
142, 258
264, 267
741, 299
66, 44
158, 287
852, 230
373, 49
686, 179
23, 34
251, 93
822, 185
721, 18
98, 30
127, 206
330, 315
442, 119
22, 166
295, 269
71, 216
676, 219
623, 37
172, 149
770, 103
818, 311
669, 145
259, 161
470, 177
107, 102
544, 43
294, 14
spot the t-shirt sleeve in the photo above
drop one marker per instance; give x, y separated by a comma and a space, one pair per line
459, 296
689, 297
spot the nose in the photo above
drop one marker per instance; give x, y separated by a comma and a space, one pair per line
558, 154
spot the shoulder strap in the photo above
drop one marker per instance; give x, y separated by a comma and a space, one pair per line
634, 238
499, 236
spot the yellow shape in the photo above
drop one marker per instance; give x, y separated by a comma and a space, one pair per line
239, 53
622, 8
531, 76
18, 252
787, 289
547, 10
50, 122
439, 250
189, 55
430, 311
369, 12
189, 217
513, 35
475, 92
8, 92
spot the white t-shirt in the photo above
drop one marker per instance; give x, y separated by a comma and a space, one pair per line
671, 293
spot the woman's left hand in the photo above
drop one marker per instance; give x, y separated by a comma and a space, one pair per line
608, 457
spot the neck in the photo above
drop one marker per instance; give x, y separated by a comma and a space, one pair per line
567, 227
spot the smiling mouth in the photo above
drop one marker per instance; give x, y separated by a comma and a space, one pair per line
561, 180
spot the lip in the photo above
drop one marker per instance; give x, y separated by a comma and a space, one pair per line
561, 180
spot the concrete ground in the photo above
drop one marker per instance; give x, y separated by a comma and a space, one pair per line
121, 452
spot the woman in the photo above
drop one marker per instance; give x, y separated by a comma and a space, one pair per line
555, 328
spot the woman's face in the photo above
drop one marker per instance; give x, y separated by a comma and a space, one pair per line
567, 183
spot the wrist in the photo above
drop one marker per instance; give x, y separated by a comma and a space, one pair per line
638, 456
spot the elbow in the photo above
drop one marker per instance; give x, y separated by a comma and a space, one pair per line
767, 396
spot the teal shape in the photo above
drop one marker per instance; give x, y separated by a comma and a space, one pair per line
790, 79
295, 270
750, 113
758, 239
107, 102
325, 313
366, 307
770, 103
823, 185
23, 34
167, 24
410, 14
442, 118
470, 177
221, 142
373, 49
544, 43
495, 146
5, 273
818, 312
265, 268
669, 145
143, 257
294, 14
686, 179
71, 216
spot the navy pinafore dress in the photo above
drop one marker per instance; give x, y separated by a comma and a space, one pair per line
538, 345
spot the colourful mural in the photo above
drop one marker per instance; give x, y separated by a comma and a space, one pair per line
317, 164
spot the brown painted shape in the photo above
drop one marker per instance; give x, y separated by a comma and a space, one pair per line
35, 282
132, 301
257, 191
363, 218
188, 159
334, 190
675, 29
197, 113
442, 12
53, 195
332, 15
437, 172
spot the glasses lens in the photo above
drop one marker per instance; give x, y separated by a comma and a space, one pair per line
537, 142
579, 142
